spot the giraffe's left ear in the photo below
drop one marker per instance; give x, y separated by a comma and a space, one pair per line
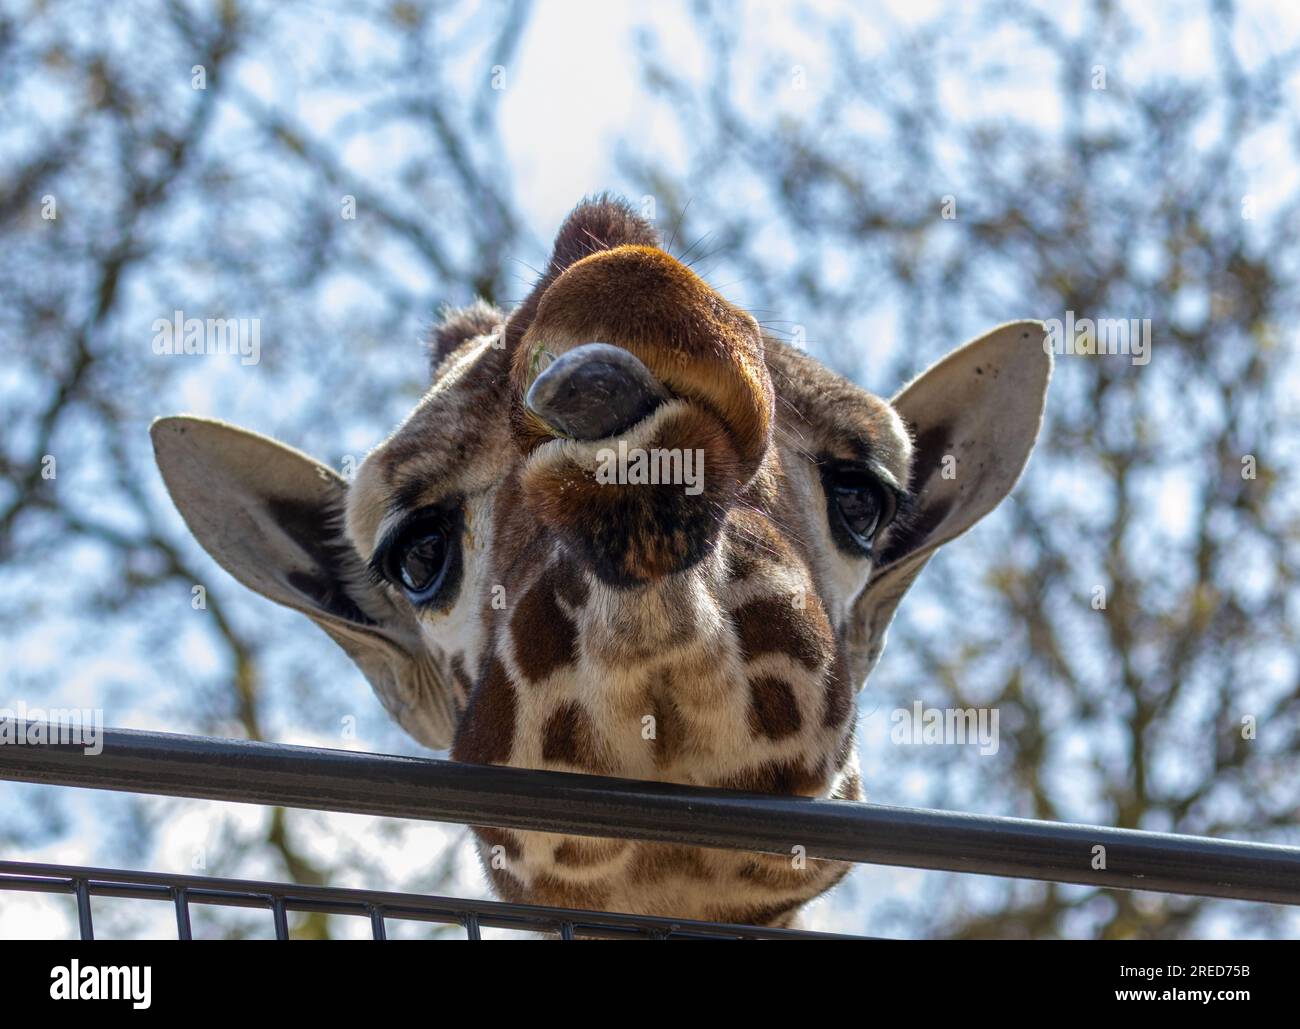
273, 518
974, 418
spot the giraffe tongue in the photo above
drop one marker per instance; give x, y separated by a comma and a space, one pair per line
594, 391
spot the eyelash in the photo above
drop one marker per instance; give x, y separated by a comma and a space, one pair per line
890, 502
444, 520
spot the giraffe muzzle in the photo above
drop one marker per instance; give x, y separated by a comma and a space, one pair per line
594, 391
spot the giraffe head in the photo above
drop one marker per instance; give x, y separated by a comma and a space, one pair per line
621, 488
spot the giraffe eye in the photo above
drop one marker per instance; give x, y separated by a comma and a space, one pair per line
418, 560
422, 556
421, 562
858, 506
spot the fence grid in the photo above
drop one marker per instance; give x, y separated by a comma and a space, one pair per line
377, 907
558, 802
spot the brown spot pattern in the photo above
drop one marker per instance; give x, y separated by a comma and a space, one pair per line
545, 637
667, 742
487, 730
751, 538
776, 872
654, 862
580, 852
773, 710
774, 625
506, 886
556, 892
464, 685
569, 584
568, 738
782, 777
776, 915
839, 690
503, 838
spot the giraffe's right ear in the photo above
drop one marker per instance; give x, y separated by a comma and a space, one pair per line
272, 517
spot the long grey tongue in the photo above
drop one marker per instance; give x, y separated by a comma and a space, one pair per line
594, 391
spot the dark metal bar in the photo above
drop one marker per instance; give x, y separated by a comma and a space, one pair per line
471, 926
559, 802
183, 930
566, 930
85, 925
281, 918
110, 882
378, 931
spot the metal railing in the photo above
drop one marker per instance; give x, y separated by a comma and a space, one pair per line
376, 906
558, 802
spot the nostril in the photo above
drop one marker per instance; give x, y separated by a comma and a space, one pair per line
594, 391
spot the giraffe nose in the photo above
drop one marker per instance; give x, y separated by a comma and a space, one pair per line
594, 391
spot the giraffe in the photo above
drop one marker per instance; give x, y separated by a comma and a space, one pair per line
508, 601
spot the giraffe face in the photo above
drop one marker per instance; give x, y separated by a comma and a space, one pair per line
625, 533
488, 514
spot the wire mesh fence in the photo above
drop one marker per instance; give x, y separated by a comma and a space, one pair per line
557, 802
376, 906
